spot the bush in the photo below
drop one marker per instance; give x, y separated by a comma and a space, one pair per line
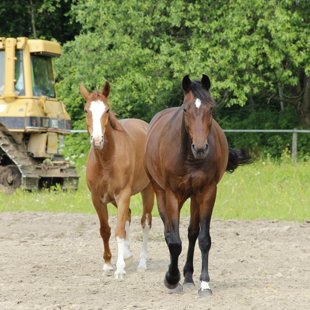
263, 116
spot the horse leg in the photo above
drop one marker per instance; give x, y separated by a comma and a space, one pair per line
105, 232
192, 234
148, 202
168, 209
171, 218
204, 239
122, 201
127, 251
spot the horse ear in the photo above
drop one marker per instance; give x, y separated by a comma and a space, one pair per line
186, 83
205, 82
114, 122
84, 92
106, 89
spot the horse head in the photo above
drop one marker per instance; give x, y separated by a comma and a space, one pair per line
98, 114
197, 114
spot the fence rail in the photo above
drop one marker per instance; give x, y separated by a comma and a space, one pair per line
294, 133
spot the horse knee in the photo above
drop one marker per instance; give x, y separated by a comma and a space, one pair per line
105, 232
175, 248
174, 244
192, 233
146, 218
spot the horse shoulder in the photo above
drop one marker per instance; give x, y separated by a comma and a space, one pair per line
221, 144
163, 147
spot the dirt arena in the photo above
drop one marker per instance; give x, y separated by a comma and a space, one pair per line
53, 261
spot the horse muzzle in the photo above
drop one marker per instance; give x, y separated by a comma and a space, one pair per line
200, 152
97, 142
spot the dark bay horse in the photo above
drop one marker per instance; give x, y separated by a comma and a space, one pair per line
115, 172
186, 156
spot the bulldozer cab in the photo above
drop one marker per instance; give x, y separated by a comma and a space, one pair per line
42, 76
32, 120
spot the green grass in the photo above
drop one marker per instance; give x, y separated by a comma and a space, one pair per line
262, 190
265, 190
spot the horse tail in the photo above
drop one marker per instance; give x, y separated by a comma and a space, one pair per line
237, 158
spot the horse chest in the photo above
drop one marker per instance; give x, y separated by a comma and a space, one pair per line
107, 181
190, 182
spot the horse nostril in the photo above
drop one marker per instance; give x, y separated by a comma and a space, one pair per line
97, 140
200, 149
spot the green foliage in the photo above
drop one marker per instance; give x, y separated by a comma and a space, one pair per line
144, 48
263, 116
45, 19
77, 145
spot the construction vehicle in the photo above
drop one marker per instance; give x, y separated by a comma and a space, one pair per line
32, 121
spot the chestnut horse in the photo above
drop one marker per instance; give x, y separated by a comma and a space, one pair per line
186, 156
115, 172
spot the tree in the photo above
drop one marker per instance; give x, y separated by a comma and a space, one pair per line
45, 19
263, 51
250, 50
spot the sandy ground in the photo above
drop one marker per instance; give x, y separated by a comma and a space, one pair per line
53, 261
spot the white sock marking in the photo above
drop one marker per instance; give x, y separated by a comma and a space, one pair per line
143, 255
120, 264
127, 251
204, 286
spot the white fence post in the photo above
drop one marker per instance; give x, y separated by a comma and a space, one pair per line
294, 146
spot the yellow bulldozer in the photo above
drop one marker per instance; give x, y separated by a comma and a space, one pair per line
32, 121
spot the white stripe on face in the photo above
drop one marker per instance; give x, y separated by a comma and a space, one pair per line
197, 103
97, 109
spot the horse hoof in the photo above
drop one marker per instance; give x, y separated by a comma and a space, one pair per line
174, 288
141, 267
204, 293
107, 269
119, 275
188, 286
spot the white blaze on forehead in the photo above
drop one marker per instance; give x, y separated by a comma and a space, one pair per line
197, 103
97, 109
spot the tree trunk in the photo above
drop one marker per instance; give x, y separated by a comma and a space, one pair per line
32, 14
280, 90
304, 110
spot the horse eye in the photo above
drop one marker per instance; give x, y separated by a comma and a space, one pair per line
108, 110
184, 110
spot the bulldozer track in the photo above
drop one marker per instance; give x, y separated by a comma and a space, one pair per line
31, 169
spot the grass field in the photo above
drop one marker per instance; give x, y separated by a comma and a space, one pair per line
262, 190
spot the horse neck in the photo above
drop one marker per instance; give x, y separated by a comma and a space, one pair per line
107, 152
